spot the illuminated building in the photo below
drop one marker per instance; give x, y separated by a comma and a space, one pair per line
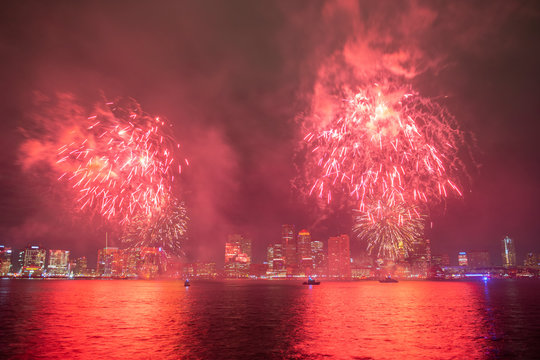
478, 259
420, 258
270, 257
237, 256
107, 261
305, 261
34, 261
462, 259
276, 266
5, 260
81, 266
339, 257
58, 262
318, 256
288, 245
508, 252
531, 260
206, 270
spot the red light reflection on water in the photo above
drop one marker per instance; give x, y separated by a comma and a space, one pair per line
408, 320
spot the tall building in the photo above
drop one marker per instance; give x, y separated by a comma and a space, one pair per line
288, 244
420, 258
339, 257
318, 256
107, 261
81, 266
5, 260
462, 259
237, 256
58, 262
270, 258
303, 249
508, 252
478, 259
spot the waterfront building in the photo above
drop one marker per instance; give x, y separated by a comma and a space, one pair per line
478, 259
107, 262
237, 256
339, 257
206, 270
81, 266
318, 256
5, 260
420, 258
508, 252
288, 244
34, 260
58, 263
462, 259
305, 260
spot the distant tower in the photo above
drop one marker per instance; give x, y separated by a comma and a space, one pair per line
508, 252
288, 244
304, 252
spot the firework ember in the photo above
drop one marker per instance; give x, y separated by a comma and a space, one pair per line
386, 142
122, 163
165, 229
389, 230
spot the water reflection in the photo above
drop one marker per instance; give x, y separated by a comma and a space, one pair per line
260, 320
406, 320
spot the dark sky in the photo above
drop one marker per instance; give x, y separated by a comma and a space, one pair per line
234, 76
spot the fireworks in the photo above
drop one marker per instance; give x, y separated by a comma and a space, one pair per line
165, 230
389, 230
386, 142
122, 163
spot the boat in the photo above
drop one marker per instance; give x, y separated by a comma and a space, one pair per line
388, 279
186, 283
311, 282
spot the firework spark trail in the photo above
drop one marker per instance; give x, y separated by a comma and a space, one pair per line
123, 163
389, 230
386, 142
165, 229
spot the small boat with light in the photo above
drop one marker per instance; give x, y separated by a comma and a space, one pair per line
311, 282
186, 283
388, 279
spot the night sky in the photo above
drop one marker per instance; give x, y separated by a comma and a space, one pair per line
234, 77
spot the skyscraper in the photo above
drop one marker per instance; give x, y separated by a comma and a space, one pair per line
508, 252
106, 261
58, 262
288, 244
305, 261
339, 254
317, 254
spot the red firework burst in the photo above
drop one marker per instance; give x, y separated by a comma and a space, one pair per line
123, 162
386, 142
